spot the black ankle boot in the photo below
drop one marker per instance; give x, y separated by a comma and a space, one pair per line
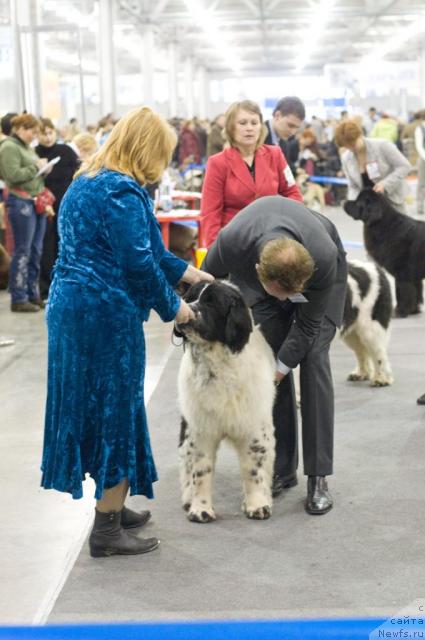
108, 538
132, 520
319, 500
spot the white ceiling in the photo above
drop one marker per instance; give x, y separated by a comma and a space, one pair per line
261, 36
269, 35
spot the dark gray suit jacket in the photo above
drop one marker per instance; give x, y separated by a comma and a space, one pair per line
236, 252
290, 148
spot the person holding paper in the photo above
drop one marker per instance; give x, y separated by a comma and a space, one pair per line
65, 165
290, 266
19, 166
247, 169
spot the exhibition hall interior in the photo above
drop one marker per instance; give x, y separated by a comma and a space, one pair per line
212, 254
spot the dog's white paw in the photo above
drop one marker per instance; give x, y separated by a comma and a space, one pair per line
201, 515
355, 376
381, 382
258, 513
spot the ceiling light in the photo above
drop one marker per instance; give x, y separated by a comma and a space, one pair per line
319, 18
213, 30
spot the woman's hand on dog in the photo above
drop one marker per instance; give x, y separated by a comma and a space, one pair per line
184, 314
193, 275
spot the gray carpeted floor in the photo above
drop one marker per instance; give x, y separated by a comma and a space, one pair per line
364, 558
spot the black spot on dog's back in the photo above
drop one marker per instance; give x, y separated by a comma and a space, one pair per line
362, 278
382, 309
350, 311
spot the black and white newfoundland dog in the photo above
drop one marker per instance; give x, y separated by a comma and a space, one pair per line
367, 316
226, 391
396, 242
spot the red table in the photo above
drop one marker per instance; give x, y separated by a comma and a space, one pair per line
191, 197
179, 215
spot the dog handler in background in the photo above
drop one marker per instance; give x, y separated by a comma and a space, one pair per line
290, 266
111, 271
373, 163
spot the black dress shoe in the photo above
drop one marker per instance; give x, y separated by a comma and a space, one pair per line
421, 400
283, 482
319, 500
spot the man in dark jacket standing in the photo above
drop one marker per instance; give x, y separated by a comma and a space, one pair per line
290, 266
288, 116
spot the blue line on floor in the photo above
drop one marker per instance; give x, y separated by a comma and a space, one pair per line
233, 630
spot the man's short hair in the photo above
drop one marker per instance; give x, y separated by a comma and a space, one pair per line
287, 262
291, 105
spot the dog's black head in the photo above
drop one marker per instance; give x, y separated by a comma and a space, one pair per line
368, 206
221, 315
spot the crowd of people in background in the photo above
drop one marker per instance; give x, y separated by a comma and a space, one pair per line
311, 147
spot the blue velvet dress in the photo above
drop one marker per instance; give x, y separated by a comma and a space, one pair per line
111, 271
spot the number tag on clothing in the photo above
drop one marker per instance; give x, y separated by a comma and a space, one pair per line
372, 170
289, 176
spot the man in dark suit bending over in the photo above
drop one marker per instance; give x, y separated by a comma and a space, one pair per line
289, 264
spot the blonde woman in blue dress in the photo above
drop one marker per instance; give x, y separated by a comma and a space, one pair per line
111, 271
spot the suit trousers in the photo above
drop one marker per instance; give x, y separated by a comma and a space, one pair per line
317, 398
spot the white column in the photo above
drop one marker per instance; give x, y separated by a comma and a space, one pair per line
19, 97
148, 67
188, 83
422, 76
106, 55
203, 92
27, 55
173, 66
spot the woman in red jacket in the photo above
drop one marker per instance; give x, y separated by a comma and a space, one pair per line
246, 170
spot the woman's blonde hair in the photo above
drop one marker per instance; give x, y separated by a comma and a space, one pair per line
230, 121
85, 142
347, 133
140, 145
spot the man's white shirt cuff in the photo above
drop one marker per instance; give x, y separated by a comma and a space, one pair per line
282, 368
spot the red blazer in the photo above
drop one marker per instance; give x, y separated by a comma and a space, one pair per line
229, 187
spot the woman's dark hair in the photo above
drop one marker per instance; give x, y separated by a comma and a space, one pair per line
6, 123
46, 123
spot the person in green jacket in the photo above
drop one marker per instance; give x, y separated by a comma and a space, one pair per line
19, 167
385, 129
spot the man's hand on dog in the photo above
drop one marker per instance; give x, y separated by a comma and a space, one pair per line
278, 378
193, 275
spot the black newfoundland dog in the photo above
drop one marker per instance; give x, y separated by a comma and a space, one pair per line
396, 242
